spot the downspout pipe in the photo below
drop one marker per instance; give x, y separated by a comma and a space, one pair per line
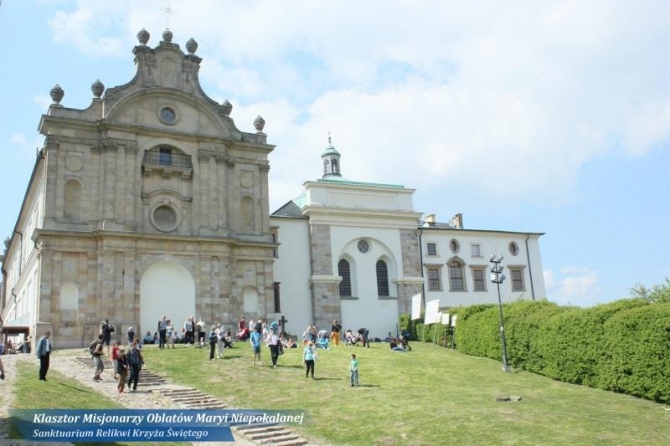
530, 269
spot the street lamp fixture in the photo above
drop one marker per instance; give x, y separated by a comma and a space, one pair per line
498, 277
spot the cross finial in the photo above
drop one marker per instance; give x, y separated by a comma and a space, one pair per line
168, 12
330, 141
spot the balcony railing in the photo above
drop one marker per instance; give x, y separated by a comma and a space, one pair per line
168, 159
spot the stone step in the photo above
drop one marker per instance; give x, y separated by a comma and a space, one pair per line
282, 438
297, 442
269, 434
254, 428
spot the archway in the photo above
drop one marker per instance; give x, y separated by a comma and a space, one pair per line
167, 288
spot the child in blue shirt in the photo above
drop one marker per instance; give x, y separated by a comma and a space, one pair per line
255, 339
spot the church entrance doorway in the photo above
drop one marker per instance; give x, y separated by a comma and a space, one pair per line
166, 288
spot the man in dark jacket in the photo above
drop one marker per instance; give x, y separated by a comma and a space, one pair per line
43, 351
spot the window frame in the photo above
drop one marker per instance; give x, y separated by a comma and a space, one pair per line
458, 265
346, 283
383, 287
434, 283
517, 278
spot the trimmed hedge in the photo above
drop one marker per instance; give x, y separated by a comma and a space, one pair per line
623, 346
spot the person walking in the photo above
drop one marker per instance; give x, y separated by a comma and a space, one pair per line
220, 343
121, 370
116, 348
96, 352
170, 334
273, 342
256, 347
188, 331
43, 350
130, 335
162, 332
2, 370
308, 357
135, 362
212, 342
106, 330
353, 370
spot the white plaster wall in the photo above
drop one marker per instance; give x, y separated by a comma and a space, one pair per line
292, 270
490, 242
166, 288
379, 315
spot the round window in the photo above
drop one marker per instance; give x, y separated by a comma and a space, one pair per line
513, 248
363, 246
168, 115
165, 218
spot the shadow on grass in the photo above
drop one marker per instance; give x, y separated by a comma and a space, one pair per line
78, 389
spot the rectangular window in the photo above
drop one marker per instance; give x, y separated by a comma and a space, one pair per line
431, 248
277, 296
434, 279
517, 279
479, 279
165, 156
275, 251
475, 251
456, 282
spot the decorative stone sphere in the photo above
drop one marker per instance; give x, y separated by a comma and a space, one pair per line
143, 36
97, 88
227, 107
167, 36
191, 46
259, 123
57, 94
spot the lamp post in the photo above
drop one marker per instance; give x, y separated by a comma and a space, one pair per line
498, 277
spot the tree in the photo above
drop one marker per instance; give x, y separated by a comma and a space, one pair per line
655, 294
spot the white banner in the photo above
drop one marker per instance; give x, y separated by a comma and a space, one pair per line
453, 320
416, 307
445, 318
432, 312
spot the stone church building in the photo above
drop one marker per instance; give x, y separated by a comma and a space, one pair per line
152, 202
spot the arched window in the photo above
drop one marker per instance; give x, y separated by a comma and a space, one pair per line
456, 278
382, 278
344, 270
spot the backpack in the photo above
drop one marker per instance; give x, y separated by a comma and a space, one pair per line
93, 347
134, 357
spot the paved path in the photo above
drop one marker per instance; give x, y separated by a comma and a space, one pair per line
154, 392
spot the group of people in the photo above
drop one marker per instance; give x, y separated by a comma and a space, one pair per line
127, 363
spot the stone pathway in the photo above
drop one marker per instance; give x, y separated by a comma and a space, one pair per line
153, 392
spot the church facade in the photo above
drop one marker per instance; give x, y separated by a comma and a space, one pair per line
151, 202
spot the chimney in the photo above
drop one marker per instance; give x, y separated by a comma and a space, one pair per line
429, 220
457, 221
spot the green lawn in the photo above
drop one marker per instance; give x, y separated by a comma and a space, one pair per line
428, 396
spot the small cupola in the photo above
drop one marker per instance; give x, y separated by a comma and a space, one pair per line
331, 161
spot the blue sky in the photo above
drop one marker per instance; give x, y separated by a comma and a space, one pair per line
530, 116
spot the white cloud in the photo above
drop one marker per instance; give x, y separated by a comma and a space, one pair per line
573, 286
524, 95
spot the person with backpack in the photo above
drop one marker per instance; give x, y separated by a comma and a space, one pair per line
96, 352
135, 362
213, 339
